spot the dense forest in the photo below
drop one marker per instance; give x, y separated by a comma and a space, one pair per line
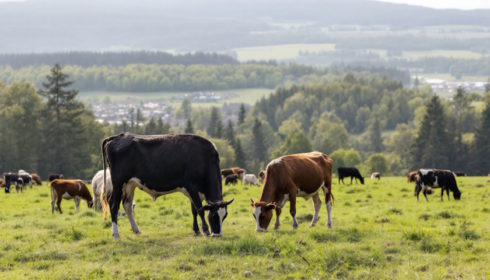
359, 118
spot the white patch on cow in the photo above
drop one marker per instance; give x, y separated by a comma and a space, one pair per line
257, 211
221, 213
276, 161
424, 171
67, 196
436, 184
155, 194
286, 198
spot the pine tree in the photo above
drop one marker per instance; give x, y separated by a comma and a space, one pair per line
242, 114
240, 158
432, 144
64, 142
151, 127
481, 150
229, 133
214, 123
188, 127
260, 150
375, 140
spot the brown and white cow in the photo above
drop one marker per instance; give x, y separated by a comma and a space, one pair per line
234, 170
376, 175
291, 176
69, 189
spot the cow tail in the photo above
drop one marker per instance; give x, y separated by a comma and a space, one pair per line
103, 196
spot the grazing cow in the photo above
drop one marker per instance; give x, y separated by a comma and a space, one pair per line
351, 172
52, 177
376, 175
412, 176
37, 179
291, 176
10, 178
234, 170
261, 175
69, 189
97, 185
231, 179
435, 178
250, 179
161, 164
19, 184
26, 177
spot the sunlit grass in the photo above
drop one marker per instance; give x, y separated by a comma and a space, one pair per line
379, 232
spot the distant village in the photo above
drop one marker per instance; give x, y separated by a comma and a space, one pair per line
115, 112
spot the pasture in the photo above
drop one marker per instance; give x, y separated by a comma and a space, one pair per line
379, 232
174, 99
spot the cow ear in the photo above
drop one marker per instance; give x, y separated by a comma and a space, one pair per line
271, 206
229, 202
253, 202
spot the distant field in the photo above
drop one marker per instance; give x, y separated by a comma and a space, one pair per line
379, 232
248, 96
280, 52
413, 55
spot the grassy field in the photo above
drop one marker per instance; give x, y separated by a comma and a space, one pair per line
280, 52
249, 96
379, 232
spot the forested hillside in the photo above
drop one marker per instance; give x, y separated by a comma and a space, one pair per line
360, 118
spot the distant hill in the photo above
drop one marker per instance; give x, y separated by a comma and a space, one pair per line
211, 25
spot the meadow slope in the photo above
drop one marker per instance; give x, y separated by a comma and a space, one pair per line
379, 232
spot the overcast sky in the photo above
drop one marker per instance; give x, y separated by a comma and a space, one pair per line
446, 4
438, 4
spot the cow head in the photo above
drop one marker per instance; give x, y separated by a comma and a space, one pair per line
362, 180
217, 214
457, 194
262, 213
90, 203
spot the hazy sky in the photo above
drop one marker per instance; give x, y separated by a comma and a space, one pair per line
446, 4
438, 4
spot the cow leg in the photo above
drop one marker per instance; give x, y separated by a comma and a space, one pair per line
196, 201
292, 207
195, 227
114, 203
442, 194
128, 195
447, 192
58, 203
278, 214
317, 204
351, 180
77, 204
425, 195
53, 198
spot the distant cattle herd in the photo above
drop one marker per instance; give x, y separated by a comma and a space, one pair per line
189, 164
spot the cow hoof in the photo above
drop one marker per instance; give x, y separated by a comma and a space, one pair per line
329, 225
137, 232
116, 236
206, 233
197, 233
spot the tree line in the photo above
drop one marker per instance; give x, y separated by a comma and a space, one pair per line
87, 59
167, 77
360, 120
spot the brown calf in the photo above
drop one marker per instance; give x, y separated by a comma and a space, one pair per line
36, 178
288, 177
69, 189
234, 170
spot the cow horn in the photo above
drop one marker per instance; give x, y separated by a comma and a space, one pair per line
229, 202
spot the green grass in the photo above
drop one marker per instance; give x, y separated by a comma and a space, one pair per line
248, 96
379, 232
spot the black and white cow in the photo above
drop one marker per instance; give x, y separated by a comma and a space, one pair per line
435, 178
10, 178
26, 177
162, 164
351, 172
52, 177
